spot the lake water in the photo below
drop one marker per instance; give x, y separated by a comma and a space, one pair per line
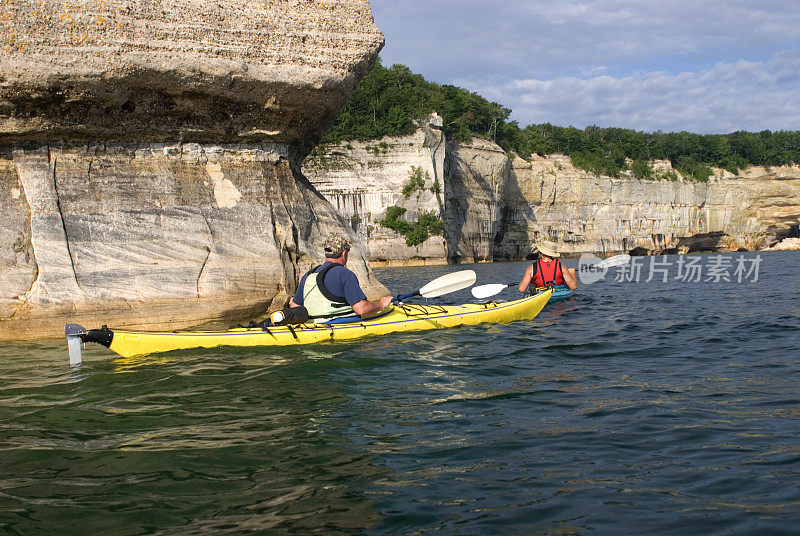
633, 408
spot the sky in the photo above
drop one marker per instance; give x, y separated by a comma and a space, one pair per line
672, 65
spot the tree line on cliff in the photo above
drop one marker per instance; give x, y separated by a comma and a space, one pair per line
388, 100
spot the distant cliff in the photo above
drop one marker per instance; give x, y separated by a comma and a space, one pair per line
496, 205
363, 179
150, 156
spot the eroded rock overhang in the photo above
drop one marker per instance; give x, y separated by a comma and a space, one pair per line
149, 156
223, 72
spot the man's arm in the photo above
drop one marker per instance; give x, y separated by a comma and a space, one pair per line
356, 298
366, 307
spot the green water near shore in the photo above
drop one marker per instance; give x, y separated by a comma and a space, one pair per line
665, 408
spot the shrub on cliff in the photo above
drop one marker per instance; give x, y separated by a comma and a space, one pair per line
394, 222
415, 232
416, 181
426, 226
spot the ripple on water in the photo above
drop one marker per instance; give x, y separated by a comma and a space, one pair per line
645, 409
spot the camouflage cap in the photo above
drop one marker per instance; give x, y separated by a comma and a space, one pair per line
335, 245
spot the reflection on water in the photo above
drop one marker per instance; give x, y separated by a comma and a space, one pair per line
644, 409
221, 443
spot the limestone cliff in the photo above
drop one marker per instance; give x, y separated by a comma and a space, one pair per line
496, 206
363, 179
584, 212
275, 71
150, 156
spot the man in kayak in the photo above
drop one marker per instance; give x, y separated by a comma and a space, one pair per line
547, 270
331, 290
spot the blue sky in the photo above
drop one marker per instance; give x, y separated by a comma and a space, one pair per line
698, 65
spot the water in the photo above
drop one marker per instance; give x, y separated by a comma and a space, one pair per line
649, 408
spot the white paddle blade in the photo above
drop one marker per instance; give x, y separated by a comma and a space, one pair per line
448, 283
616, 260
484, 291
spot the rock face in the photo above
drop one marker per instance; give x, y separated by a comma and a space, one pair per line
584, 212
363, 179
150, 157
275, 71
787, 244
495, 206
479, 186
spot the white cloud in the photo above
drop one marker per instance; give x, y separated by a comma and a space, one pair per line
703, 65
743, 95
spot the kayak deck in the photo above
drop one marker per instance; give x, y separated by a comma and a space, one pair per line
402, 317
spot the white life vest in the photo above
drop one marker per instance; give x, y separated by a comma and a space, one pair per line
321, 303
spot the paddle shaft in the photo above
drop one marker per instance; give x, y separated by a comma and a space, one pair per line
443, 285
402, 297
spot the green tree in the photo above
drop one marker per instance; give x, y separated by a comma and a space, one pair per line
415, 232
641, 169
416, 181
389, 100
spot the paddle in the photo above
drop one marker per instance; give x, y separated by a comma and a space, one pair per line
485, 291
443, 285
616, 260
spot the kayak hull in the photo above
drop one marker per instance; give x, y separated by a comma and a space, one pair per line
403, 317
560, 293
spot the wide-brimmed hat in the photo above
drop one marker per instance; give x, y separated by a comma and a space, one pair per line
335, 245
548, 249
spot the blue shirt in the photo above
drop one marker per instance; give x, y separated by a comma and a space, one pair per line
339, 280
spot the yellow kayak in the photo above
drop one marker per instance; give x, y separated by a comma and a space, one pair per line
401, 317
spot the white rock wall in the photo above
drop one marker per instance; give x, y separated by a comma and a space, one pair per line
585, 212
496, 207
363, 179
150, 155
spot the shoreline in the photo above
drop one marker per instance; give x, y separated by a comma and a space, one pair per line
410, 263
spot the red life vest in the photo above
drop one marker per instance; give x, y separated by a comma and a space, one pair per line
547, 274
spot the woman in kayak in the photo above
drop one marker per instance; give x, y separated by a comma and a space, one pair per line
547, 270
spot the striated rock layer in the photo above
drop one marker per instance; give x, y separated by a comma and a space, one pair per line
150, 157
154, 235
274, 71
495, 206
584, 212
